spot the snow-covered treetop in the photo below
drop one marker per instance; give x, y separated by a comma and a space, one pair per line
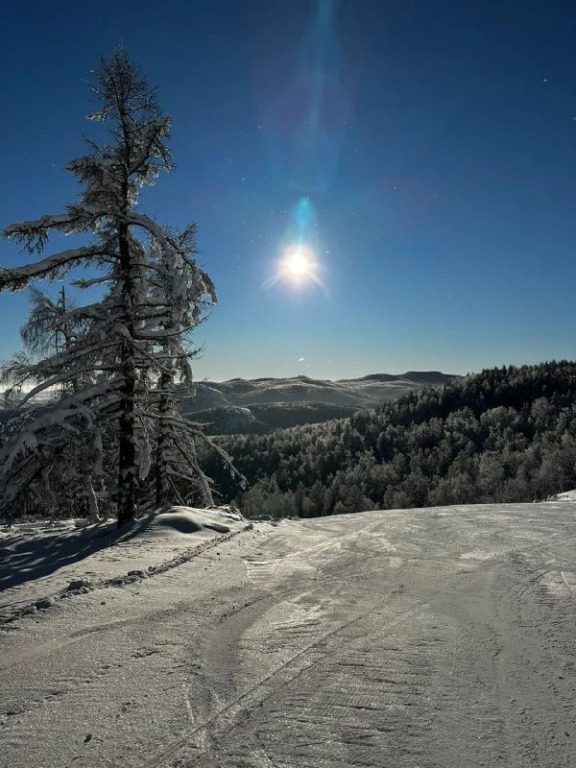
110, 174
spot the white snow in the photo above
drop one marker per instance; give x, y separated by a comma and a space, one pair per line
452, 626
39, 560
566, 496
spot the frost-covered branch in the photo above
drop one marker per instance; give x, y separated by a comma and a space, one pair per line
55, 266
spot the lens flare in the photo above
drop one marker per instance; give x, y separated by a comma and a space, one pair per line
298, 264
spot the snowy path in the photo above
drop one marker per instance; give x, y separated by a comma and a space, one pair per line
424, 638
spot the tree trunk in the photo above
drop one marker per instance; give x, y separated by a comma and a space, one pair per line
94, 516
163, 484
127, 467
128, 455
50, 497
207, 498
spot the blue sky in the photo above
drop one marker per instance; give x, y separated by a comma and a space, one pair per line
434, 145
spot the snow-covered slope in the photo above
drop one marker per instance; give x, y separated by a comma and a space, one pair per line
566, 496
298, 400
363, 392
39, 561
413, 637
261, 405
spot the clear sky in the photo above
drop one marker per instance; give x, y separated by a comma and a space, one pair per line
422, 154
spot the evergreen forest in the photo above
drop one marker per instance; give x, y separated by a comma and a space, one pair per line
506, 434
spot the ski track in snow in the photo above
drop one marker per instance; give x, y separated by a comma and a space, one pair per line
436, 637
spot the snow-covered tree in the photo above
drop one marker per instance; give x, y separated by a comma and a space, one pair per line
117, 359
61, 457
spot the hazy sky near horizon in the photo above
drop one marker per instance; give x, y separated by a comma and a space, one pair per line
423, 152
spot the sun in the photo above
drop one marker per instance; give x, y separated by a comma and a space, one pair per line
298, 264
298, 267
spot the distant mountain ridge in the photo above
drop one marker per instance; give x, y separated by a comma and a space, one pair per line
264, 404
258, 406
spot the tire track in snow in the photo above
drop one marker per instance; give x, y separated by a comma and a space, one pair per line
280, 677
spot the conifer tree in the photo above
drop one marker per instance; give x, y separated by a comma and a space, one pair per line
117, 359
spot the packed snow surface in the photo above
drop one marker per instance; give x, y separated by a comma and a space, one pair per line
406, 638
566, 496
39, 560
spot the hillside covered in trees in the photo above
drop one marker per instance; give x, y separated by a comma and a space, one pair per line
504, 435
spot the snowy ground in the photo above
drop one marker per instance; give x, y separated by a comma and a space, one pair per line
41, 564
435, 638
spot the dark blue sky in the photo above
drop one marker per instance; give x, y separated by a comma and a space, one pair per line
434, 145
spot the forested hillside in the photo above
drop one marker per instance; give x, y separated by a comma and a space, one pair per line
507, 434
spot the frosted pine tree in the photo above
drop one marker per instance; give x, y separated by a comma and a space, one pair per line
124, 353
56, 449
179, 292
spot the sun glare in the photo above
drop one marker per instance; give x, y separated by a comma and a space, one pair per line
298, 267
298, 264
